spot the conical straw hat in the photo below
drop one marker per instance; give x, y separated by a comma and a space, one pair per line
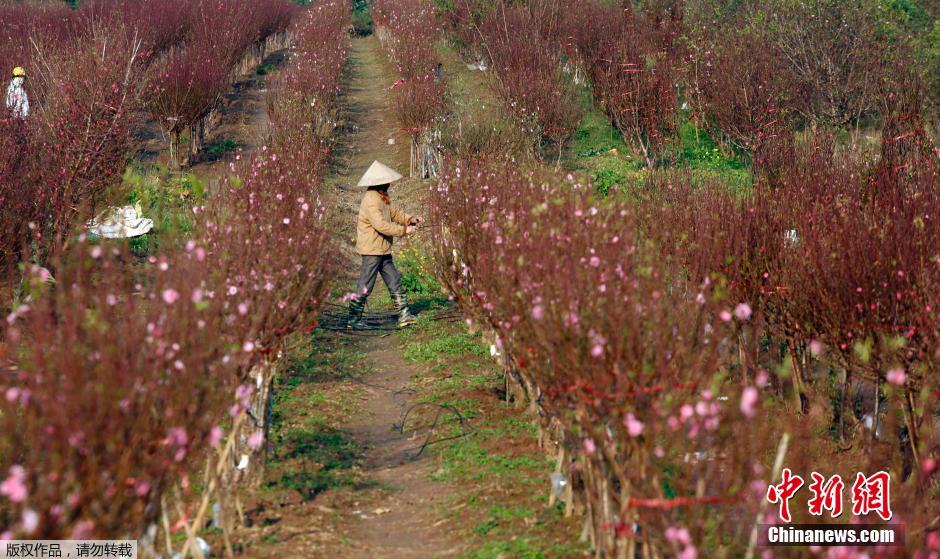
378, 173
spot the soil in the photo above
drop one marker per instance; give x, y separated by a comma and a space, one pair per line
405, 517
241, 127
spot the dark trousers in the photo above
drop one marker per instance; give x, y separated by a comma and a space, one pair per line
373, 266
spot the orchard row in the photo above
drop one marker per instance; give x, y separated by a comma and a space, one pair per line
125, 379
676, 337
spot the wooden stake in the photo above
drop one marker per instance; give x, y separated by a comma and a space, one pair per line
191, 544
775, 473
908, 407
558, 463
797, 374
166, 526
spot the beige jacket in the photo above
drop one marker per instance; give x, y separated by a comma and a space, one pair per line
378, 223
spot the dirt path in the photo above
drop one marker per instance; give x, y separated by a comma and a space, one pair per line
394, 509
403, 521
369, 132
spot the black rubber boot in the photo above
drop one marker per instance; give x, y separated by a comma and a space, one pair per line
405, 317
356, 308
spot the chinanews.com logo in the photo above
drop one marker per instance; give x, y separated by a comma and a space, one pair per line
870, 498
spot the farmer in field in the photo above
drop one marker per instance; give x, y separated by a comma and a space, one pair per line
17, 101
378, 223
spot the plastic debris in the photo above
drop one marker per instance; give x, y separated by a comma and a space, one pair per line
869, 421
203, 546
119, 223
243, 463
559, 483
481, 66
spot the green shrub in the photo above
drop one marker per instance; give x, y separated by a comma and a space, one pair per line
361, 19
223, 146
606, 177
416, 277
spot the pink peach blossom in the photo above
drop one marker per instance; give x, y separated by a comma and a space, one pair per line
896, 376
170, 296
742, 311
749, 400
215, 436
255, 440
13, 487
30, 521
634, 426
761, 378
82, 530
589, 447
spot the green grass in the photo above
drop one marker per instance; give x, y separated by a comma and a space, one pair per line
331, 448
311, 454
468, 460
612, 171
700, 151
598, 149
326, 357
514, 521
475, 378
225, 145
269, 539
361, 20
331, 458
430, 350
417, 277
499, 514
520, 548
596, 136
